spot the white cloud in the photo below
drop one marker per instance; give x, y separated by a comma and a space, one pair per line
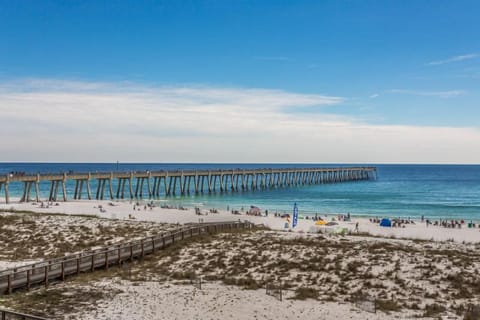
49, 120
373, 96
453, 59
439, 94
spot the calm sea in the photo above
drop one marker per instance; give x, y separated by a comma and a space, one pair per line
436, 191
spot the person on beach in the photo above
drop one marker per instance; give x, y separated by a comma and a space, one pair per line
356, 227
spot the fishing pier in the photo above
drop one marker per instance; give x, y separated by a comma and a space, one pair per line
140, 184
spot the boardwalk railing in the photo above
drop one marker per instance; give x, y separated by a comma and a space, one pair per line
10, 315
121, 185
58, 269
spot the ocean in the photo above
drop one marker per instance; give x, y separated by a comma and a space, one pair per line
434, 191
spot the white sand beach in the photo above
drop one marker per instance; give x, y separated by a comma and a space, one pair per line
123, 210
386, 262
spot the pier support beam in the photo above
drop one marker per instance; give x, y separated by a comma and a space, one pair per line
54, 186
77, 195
121, 187
27, 189
4, 185
102, 182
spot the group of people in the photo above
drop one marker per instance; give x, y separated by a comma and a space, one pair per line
436, 223
314, 218
198, 212
451, 223
137, 206
395, 223
17, 173
48, 205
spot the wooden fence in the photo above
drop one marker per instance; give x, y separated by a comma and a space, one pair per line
366, 303
197, 282
57, 269
274, 290
10, 315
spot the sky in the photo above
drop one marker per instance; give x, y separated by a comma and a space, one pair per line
240, 81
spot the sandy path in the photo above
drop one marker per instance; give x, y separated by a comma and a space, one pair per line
152, 300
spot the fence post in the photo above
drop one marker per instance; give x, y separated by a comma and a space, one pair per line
153, 244
106, 259
28, 279
143, 251
119, 255
63, 271
78, 265
9, 288
131, 252
163, 242
93, 262
46, 276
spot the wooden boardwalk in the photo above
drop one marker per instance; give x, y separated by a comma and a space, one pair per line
42, 273
121, 185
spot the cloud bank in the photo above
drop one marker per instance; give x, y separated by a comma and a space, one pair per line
54, 120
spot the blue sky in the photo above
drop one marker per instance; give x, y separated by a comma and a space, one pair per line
390, 63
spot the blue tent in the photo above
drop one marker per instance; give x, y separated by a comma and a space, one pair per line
385, 223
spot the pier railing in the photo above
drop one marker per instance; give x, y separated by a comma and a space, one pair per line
58, 269
155, 183
11, 315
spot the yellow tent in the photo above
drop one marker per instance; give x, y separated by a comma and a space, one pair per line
320, 223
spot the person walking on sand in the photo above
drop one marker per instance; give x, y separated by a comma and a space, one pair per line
356, 227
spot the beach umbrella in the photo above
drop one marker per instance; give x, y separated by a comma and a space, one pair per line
320, 223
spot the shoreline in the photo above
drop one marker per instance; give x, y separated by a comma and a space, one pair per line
15, 201
123, 210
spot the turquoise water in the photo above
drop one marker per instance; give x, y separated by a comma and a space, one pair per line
435, 191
